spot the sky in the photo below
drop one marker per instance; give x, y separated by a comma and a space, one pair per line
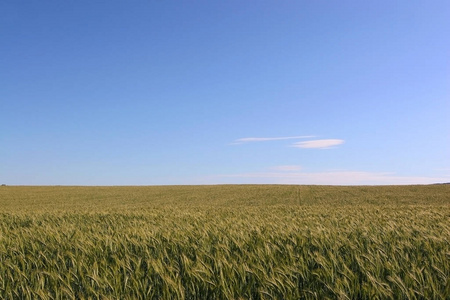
223, 92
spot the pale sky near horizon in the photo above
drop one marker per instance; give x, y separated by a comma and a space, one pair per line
210, 92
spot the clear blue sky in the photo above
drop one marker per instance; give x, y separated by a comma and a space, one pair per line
206, 92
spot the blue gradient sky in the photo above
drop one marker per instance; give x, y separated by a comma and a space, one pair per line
205, 92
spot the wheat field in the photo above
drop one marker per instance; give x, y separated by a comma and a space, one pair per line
225, 242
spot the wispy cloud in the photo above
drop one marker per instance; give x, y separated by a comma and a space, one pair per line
318, 144
312, 144
330, 178
266, 139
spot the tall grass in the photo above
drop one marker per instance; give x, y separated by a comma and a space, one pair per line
225, 242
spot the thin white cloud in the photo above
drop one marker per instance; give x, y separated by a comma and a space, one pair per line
267, 139
318, 144
287, 168
331, 178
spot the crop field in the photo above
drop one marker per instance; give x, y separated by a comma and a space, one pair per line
225, 242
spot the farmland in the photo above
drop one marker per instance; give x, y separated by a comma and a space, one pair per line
225, 242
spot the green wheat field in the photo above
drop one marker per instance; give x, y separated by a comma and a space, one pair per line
225, 242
